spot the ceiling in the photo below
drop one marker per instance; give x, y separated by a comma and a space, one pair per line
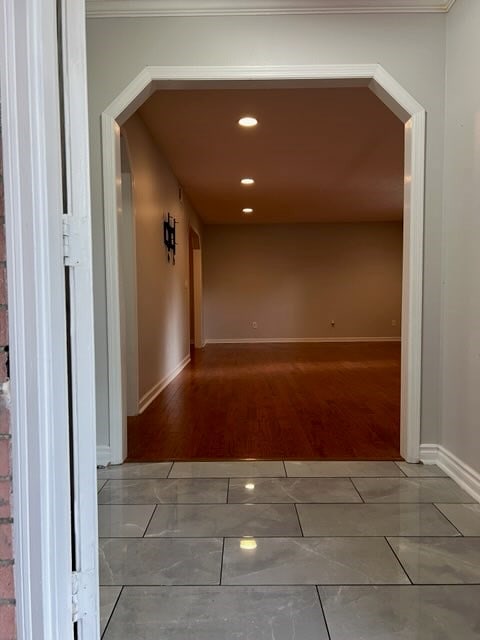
317, 155
139, 8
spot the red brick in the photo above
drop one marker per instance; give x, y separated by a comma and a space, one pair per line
5, 498
6, 582
5, 542
3, 327
5, 458
3, 285
4, 416
7, 622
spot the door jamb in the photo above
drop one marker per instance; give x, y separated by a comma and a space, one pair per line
410, 112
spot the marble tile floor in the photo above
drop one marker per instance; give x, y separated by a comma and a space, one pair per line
257, 550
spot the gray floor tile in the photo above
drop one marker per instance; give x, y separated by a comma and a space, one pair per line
108, 598
439, 560
163, 491
373, 520
220, 520
421, 470
292, 490
402, 613
342, 469
100, 484
236, 469
123, 520
466, 517
156, 561
132, 470
271, 561
227, 613
410, 490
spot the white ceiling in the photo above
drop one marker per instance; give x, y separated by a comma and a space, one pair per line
144, 8
317, 155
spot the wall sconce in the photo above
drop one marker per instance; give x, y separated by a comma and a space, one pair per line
169, 224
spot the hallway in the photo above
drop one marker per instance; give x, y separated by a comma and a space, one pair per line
329, 401
257, 550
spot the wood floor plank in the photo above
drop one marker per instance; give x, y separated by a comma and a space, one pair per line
325, 401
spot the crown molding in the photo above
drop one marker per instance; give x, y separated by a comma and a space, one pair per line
179, 8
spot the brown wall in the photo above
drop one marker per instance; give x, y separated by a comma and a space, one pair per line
7, 592
293, 280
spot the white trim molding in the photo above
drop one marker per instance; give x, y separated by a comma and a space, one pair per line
296, 340
407, 109
179, 8
462, 473
104, 455
157, 389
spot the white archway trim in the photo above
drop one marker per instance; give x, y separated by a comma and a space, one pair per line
392, 94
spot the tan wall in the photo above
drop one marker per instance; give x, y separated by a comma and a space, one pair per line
294, 279
162, 288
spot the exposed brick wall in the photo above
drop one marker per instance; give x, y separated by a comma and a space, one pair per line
7, 594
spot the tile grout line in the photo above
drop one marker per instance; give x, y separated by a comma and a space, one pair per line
221, 563
398, 559
447, 518
357, 491
150, 520
122, 587
317, 589
298, 518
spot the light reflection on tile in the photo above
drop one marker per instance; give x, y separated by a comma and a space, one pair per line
235, 469
271, 490
132, 470
311, 561
421, 470
402, 613
466, 517
410, 490
108, 598
214, 613
373, 520
157, 561
123, 520
164, 491
341, 469
225, 520
439, 560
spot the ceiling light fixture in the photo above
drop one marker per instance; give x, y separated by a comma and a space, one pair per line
247, 210
247, 181
248, 121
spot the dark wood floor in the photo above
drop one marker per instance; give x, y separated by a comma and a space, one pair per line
327, 401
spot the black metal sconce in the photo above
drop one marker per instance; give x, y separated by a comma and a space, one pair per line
169, 224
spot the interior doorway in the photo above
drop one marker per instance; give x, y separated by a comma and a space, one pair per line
195, 289
410, 113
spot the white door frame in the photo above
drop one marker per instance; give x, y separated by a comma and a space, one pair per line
392, 94
42, 479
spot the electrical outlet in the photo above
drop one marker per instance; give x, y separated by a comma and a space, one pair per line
255, 325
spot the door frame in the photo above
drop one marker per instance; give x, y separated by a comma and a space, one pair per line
47, 462
196, 283
382, 84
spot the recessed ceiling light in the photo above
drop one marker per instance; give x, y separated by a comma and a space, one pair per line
248, 121
247, 210
247, 181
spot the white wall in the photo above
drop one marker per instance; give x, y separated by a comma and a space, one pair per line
294, 279
410, 47
162, 288
461, 301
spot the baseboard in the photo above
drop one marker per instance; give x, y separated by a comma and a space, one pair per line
104, 455
150, 396
462, 473
292, 340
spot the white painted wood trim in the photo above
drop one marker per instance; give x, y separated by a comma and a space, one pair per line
464, 475
198, 297
295, 340
179, 8
395, 96
36, 288
155, 391
104, 456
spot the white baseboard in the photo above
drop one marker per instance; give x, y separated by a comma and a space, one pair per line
288, 340
104, 455
150, 396
462, 473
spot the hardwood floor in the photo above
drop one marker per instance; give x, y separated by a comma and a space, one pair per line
325, 401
